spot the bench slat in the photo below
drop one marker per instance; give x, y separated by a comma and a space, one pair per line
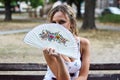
105, 66
22, 67
40, 77
43, 67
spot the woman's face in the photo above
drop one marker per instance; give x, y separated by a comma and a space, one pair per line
62, 19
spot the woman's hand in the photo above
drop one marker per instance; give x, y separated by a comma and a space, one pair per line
50, 51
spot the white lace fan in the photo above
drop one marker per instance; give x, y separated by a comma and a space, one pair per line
54, 36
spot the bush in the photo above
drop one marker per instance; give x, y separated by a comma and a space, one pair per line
112, 18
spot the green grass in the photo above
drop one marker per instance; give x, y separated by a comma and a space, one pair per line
110, 18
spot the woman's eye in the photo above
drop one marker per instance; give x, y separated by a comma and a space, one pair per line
53, 22
59, 22
62, 22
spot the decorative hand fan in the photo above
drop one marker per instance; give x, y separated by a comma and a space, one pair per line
54, 36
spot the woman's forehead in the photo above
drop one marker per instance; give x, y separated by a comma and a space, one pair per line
59, 15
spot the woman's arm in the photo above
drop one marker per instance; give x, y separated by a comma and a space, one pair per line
56, 64
85, 58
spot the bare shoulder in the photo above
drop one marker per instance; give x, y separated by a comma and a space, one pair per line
84, 41
84, 45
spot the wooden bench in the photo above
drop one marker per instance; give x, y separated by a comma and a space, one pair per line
43, 67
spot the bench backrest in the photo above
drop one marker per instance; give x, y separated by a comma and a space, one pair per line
43, 67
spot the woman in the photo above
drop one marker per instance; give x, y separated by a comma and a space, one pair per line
61, 67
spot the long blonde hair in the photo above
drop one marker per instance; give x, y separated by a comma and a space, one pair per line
66, 9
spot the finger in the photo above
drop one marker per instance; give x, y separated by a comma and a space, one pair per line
50, 51
46, 50
53, 50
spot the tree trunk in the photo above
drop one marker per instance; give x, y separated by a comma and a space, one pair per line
89, 16
35, 13
69, 2
8, 13
78, 5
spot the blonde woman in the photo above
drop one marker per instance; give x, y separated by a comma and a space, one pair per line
61, 67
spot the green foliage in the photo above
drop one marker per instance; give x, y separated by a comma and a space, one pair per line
52, 1
1, 5
1, 0
12, 2
35, 3
110, 18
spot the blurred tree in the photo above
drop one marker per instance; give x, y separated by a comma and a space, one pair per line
7, 9
48, 4
78, 5
35, 4
89, 15
8, 6
52, 1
